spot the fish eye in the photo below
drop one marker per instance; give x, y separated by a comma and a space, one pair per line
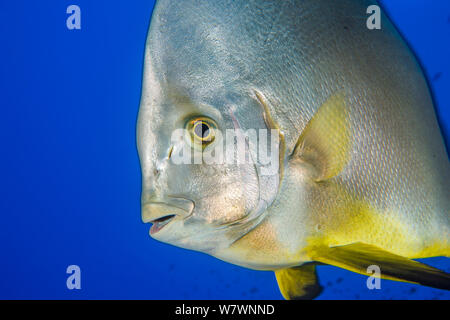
202, 130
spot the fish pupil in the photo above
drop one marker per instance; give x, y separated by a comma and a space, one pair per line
202, 130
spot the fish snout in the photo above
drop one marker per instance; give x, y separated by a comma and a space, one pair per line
160, 212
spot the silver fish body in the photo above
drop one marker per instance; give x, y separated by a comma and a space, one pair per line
239, 62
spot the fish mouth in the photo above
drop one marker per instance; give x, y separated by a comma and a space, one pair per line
161, 212
160, 223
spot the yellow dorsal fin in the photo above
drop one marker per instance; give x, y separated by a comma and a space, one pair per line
298, 283
324, 143
357, 257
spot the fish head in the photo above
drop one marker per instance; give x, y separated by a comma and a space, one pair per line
203, 184
200, 191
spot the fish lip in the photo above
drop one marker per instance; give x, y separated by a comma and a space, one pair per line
162, 211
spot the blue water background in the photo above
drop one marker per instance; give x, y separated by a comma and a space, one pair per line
70, 177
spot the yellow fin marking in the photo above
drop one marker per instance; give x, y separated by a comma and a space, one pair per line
357, 257
298, 283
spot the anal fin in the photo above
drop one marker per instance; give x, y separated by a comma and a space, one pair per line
357, 257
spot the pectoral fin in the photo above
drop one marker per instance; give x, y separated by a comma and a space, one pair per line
358, 257
298, 283
325, 142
